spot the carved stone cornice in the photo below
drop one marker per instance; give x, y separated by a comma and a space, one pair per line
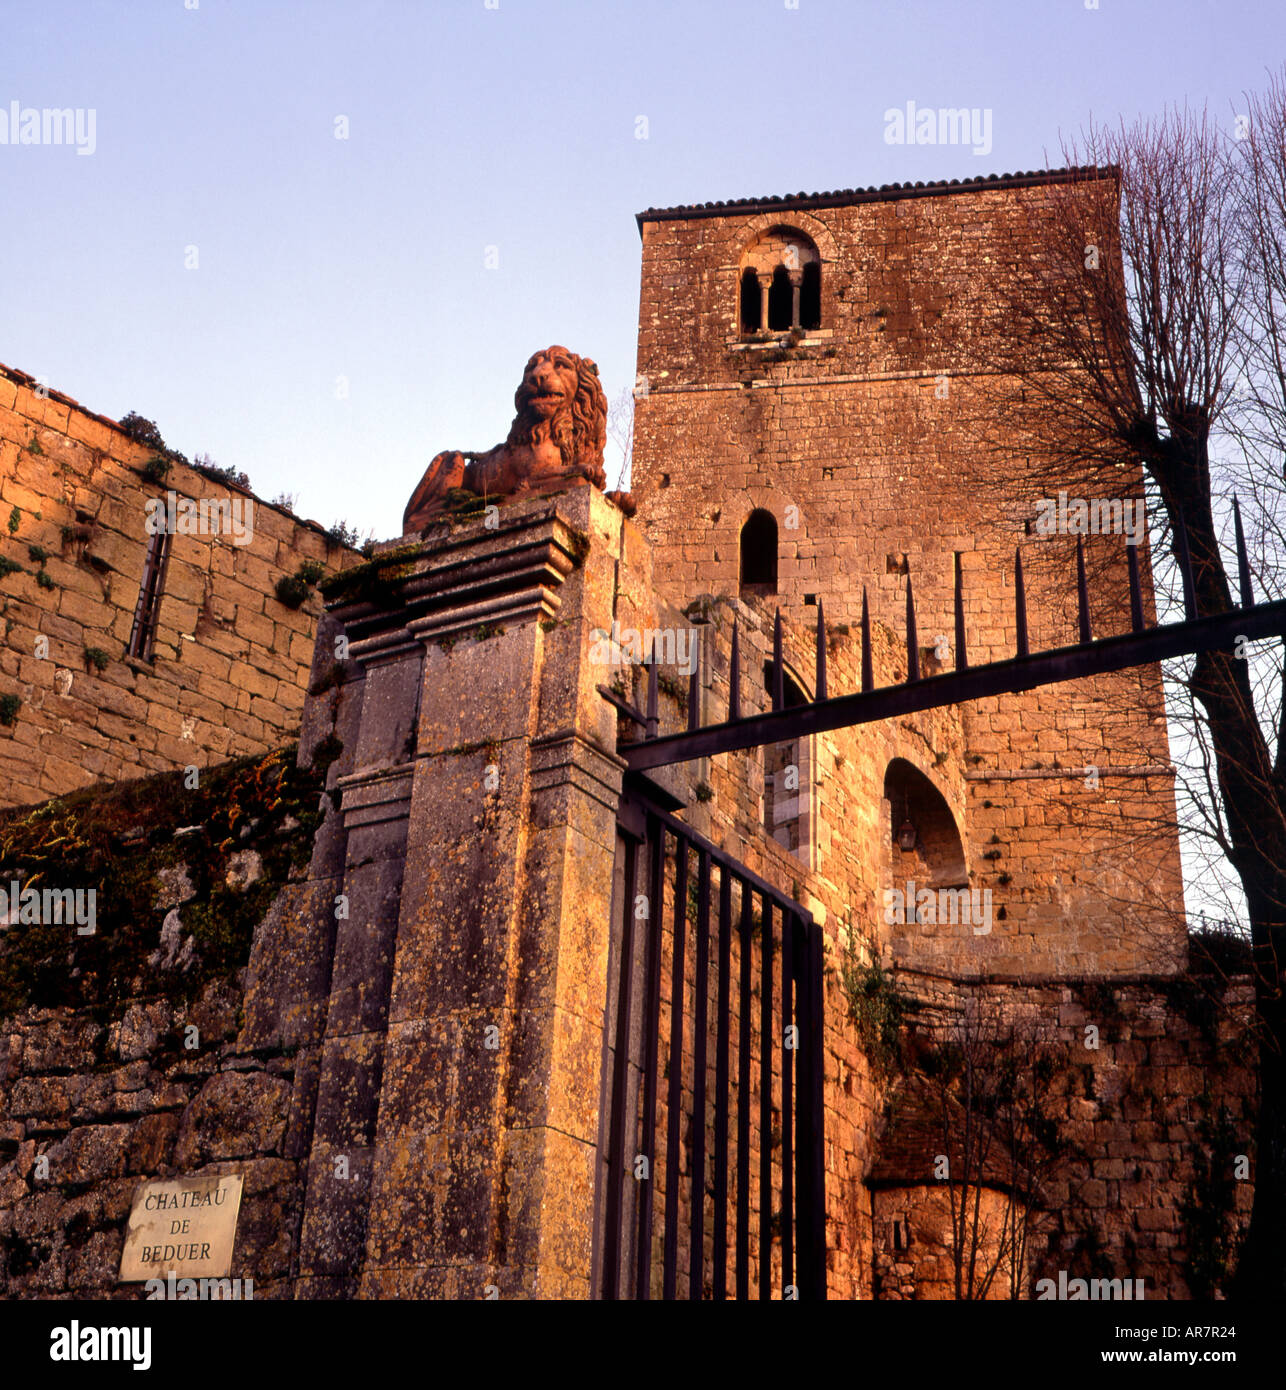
455, 580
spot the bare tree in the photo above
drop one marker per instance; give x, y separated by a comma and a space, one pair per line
620, 430
987, 1079
1147, 295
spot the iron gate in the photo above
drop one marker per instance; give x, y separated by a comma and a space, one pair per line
738, 1178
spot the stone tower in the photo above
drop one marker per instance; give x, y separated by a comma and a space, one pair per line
810, 384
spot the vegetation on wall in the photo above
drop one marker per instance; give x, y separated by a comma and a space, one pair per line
117, 841
293, 589
877, 1011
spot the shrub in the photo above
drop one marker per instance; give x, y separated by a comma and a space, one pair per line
142, 431
97, 658
155, 469
203, 463
44, 579
292, 591
9, 707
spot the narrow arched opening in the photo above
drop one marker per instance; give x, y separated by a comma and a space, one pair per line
752, 301
810, 296
759, 553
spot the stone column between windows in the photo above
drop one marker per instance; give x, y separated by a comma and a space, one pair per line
796, 280
765, 288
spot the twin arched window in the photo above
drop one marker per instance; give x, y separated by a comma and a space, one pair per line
780, 286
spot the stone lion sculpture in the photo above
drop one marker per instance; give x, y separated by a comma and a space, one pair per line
557, 435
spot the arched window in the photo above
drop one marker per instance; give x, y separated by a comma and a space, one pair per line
759, 553
925, 844
751, 301
784, 265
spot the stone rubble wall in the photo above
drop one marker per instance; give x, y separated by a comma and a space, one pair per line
1129, 1131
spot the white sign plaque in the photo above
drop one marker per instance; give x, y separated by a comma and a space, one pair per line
185, 1226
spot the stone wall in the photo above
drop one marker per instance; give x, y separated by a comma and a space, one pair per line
131, 1053
1137, 1173
230, 661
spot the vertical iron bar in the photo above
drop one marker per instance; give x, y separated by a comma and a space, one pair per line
1020, 603
787, 1111
620, 1061
1243, 560
743, 1098
816, 1285
803, 1112
694, 690
820, 683
912, 637
674, 1098
1136, 589
653, 723
734, 676
765, 1102
651, 1046
723, 1020
868, 679
962, 656
1082, 595
696, 1249
778, 683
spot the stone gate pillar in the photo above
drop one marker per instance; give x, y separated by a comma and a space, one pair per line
467, 998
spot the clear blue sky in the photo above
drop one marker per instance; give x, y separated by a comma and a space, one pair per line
469, 127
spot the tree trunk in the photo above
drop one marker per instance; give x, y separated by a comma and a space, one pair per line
1254, 804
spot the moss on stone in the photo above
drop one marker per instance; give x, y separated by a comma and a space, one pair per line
378, 581
114, 840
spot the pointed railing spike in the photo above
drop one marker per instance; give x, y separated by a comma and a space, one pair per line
962, 655
1082, 595
1020, 603
1136, 588
653, 722
778, 684
868, 679
734, 676
819, 685
1184, 557
912, 638
694, 685
1243, 560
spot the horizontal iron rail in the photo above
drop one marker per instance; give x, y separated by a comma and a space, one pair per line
955, 687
